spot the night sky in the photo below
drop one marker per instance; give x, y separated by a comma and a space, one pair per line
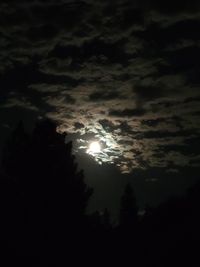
123, 73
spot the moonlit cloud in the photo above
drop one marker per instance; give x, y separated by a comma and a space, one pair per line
124, 73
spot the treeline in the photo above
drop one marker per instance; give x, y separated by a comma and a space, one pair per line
43, 219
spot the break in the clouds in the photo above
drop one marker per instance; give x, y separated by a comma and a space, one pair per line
124, 73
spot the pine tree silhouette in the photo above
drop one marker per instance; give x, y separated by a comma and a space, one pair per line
49, 190
128, 208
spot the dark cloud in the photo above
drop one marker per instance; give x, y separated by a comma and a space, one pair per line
107, 125
153, 123
164, 134
127, 113
177, 6
78, 125
103, 96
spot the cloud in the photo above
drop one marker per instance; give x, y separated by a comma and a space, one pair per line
78, 125
21, 103
127, 112
123, 72
103, 96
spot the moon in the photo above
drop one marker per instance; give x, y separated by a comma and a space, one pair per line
94, 147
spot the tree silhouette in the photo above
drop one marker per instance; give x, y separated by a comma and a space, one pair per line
14, 151
128, 208
49, 190
106, 219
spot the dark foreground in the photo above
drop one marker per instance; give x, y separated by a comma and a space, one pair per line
43, 220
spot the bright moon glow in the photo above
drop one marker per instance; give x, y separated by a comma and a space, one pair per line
94, 148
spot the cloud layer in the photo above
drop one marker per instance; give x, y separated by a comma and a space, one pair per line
125, 73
